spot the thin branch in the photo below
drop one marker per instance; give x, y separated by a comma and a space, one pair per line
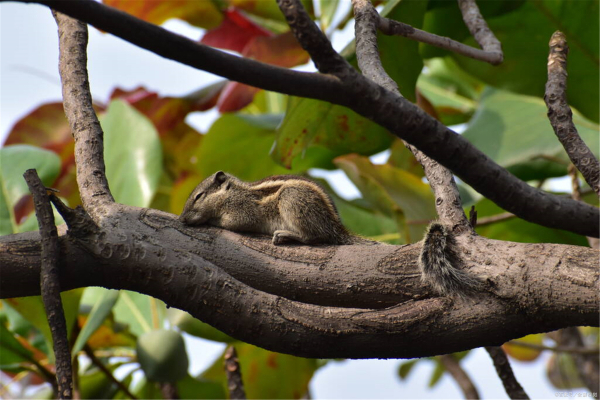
448, 202
513, 388
98, 363
50, 284
235, 385
479, 28
460, 376
398, 115
391, 27
558, 349
561, 116
85, 127
492, 219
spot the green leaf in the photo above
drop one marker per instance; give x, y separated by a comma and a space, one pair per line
94, 384
132, 153
162, 355
405, 368
525, 33
261, 368
100, 311
15, 160
248, 140
391, 190
142, 313
32, 309
400, 56
328, 8
313, 132
198, 388
195, 327
13, 352
438, 372
453, 92
514, 131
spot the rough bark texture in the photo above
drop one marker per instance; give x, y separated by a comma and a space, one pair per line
530, 287
50, 284
84, 124
561, 116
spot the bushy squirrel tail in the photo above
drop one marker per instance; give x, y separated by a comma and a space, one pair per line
438, 263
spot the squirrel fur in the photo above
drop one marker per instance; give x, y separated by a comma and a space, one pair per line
438, 263
289, 207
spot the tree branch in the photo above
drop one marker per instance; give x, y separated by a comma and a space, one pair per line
513, 388
447, 198
185, 267
398, 115
561, 116
460, 376
235, 385
85, 127
391, 27
50, 284
479, 28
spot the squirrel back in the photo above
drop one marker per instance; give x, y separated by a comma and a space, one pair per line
291, 208
438, 262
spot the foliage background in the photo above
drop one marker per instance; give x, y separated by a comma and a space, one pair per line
515, 131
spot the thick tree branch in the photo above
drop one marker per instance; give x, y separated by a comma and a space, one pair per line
447, 198
50, 284
460, 376
389, 110
85, 127
479, 28
530, 287
561, 116
513, 388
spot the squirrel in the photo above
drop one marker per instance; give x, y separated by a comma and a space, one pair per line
290, 208
438, 261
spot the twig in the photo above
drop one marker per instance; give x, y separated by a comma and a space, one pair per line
391, 27
234, 375
50, 284
448, 202
561, 116
479, 28
492, 219
473, 217
98, 363
460, 376
513, 388
77, 101
558, 349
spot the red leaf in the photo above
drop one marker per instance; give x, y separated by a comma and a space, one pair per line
234, 33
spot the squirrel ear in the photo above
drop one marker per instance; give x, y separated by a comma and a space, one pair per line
220, 177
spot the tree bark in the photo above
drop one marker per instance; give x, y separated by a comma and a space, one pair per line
322, 301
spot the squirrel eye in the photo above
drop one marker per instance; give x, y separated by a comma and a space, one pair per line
198, 196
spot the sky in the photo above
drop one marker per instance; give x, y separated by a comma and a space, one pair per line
29, 77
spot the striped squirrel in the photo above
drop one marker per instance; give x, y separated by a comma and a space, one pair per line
438, 263
292, 208
289, 207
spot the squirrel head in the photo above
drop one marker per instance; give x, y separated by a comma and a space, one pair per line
206, 200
